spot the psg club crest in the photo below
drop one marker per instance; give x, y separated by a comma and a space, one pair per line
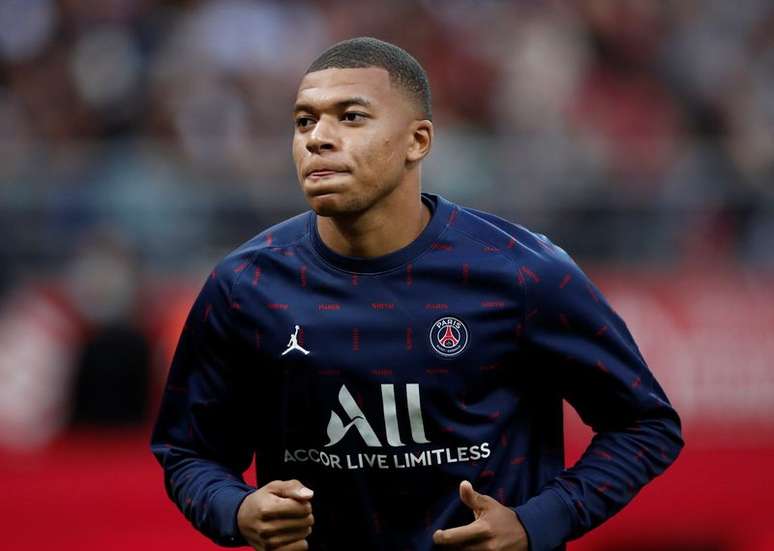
449, 336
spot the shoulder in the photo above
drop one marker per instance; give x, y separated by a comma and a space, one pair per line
528, 249
244, 260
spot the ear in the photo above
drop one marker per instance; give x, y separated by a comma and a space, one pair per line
421, 139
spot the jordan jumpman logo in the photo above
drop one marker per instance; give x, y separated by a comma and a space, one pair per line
293, 344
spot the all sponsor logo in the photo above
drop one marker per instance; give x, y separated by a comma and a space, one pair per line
416, 453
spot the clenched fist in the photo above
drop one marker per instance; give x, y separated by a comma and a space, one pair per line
278, 516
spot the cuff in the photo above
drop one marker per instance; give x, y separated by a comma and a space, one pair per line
546, 519
225, 506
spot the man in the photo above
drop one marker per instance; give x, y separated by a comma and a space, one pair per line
430, 348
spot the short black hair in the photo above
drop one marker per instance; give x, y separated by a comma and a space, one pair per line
365, 51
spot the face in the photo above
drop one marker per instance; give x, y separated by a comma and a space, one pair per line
354, 139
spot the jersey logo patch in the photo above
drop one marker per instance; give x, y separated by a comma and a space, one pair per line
448, 336
293, 344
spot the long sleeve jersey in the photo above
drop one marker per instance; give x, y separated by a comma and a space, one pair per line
381, 383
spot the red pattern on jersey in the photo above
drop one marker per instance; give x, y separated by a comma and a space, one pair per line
302, 273
491, 367
437, 371
382, 372
529, 273
565, 280
329, 372
591, 291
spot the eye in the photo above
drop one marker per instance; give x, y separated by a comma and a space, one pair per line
354, 116
304, 122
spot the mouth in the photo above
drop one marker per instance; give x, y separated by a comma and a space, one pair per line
323, 174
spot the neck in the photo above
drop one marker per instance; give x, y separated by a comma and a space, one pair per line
393, 223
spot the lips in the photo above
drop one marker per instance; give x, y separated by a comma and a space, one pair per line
320, 172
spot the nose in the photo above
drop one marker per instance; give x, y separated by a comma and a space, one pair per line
322, 137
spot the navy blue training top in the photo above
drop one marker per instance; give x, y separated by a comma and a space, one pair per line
381, 383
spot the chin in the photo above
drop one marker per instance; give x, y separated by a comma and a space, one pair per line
329, 205
340, 204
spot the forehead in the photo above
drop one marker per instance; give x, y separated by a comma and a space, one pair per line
331, 86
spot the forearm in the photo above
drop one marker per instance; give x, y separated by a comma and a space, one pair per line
207, 493
612, 470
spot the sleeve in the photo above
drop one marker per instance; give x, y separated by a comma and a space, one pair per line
199, 436
585, 353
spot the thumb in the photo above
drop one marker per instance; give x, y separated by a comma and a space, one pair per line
291, 489
470, 497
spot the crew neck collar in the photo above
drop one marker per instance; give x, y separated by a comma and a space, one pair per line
440, 210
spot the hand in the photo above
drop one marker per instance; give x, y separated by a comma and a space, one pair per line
495, 526
277, 516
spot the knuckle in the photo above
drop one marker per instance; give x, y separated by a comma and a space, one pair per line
270, 504
271, 486
266, 531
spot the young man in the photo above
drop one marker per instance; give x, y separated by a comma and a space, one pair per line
387, 352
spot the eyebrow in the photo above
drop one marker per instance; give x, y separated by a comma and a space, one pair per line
341, 104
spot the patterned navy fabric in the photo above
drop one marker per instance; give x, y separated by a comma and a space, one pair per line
382, 383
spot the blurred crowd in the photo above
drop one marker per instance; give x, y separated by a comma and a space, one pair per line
637, 130
141, 139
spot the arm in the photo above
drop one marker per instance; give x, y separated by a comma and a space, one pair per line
199, 437
586, 354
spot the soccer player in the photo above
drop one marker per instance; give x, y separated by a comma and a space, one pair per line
395, 362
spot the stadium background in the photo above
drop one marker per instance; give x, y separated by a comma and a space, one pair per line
140, 140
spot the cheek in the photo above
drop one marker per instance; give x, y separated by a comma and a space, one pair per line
297, 150
380, 157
